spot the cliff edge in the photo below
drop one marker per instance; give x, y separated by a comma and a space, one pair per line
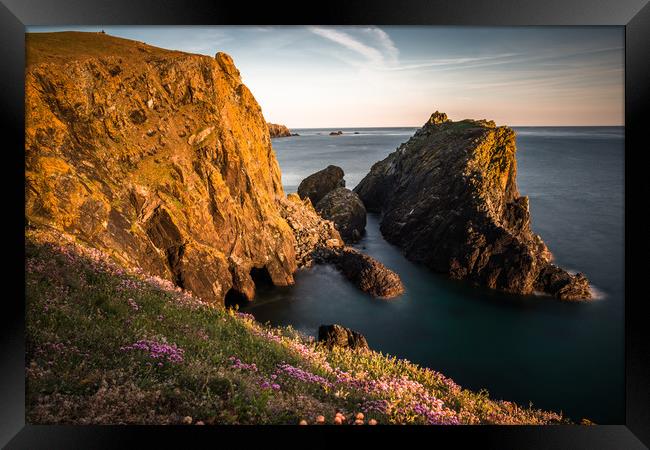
161, 158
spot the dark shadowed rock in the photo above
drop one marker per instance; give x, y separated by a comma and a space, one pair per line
367, 273
346, 210
336, 133
559, 283
319, 184
449, 199
337, 336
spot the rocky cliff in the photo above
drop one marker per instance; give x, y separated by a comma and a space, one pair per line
449, 199
161, 158
276, 130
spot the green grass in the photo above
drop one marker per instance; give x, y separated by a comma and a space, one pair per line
83, 310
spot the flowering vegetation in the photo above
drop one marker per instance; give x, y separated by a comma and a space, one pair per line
160, 351
107, 345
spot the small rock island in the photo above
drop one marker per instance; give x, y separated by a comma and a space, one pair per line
277, 131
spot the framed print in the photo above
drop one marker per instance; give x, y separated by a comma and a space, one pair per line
372, 219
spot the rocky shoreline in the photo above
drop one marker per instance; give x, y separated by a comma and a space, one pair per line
173, 173
319, 242
166, 178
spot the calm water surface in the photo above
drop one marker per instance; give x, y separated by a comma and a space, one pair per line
559, 356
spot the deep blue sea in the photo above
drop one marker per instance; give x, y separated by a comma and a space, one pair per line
560, 356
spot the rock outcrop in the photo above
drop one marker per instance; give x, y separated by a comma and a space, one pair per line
276, 130
161, 158
346, 210
337, 336
366, 273
336, 133
319, 184
318, 242
449, 199
314, 237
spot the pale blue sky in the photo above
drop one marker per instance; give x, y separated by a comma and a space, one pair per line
318, 76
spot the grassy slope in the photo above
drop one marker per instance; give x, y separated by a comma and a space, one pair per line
76, 45
213, 365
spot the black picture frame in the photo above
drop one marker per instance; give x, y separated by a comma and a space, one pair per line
15, 15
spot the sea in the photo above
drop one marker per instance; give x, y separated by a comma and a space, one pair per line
561, 356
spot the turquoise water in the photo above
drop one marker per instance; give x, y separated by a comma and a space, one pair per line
560, 356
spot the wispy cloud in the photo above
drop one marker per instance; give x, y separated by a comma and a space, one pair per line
391, 51
454, 61
380, 52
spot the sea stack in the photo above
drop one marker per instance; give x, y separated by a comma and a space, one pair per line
449, 199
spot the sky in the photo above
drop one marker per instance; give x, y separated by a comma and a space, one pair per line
369, 76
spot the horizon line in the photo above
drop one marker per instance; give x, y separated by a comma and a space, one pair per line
420, 126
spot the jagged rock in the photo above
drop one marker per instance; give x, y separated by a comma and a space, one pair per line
314, 237
559, 283
318, 184
366, 273
346, 210
449, 199
318, 242
337, 336
276, 131
198, 206
437, 118
336, 133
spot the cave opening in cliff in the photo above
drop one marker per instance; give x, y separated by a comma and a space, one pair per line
261, 277
235, 299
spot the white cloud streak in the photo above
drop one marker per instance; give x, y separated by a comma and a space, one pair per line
387, 53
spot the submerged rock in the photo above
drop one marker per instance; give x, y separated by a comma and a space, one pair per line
337, 336
449, 199
346, 210
319, 184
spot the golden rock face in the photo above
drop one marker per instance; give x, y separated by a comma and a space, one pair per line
162, 158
